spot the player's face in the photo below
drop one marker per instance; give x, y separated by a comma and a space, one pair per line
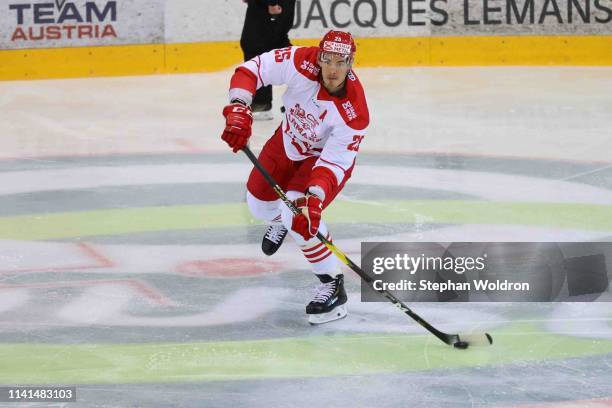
334, 69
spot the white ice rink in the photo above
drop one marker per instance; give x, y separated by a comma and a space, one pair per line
534, 112
130, 264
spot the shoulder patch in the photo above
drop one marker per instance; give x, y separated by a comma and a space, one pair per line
353, 107
305, 61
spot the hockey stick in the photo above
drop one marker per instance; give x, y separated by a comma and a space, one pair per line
461, 341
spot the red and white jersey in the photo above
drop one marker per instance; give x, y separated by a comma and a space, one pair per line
315, 123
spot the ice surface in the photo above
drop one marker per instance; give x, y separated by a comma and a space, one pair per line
131, 267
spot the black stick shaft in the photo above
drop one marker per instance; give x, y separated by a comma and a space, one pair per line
446, 338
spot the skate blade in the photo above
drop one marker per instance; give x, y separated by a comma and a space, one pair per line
338, 313
264, 115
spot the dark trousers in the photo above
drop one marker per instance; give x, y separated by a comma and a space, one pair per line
262, 33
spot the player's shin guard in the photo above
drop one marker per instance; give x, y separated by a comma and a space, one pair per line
320, 257
269, 212
328, 303
316, 253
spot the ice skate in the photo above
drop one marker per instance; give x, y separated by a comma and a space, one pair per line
329, 300
273, 238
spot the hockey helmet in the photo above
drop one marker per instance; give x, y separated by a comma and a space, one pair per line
338, 42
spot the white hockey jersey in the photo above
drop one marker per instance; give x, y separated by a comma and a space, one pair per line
314, 123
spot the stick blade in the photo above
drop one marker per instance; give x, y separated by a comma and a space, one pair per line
476, 339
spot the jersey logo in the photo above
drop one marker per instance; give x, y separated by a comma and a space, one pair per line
354, 146
282, 54
303, 123
349, 110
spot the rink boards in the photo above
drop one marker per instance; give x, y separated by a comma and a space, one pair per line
373, 52
108, 38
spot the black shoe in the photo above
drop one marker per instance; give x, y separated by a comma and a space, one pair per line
273, 239
262, 111
329, 300
261, 107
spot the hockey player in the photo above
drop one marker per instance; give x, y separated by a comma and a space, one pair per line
312, 153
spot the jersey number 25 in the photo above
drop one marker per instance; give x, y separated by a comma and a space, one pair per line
282, 54
354, 146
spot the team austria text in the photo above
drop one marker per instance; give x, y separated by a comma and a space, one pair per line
63, 20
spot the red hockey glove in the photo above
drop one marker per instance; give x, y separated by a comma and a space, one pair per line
238, 121
307, 223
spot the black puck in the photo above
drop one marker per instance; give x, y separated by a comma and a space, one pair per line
461, 345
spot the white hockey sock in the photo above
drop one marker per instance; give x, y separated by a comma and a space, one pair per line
268, 211
322, 260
